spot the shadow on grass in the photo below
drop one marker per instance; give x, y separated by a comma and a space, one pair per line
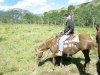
67, 61
44, 61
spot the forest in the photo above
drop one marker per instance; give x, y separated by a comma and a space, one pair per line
86, 14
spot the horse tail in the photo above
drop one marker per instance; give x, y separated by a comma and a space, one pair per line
93, 45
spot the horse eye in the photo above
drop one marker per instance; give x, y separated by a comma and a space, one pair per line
36, 54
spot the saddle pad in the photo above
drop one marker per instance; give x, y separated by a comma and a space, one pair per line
75, 40
71, 42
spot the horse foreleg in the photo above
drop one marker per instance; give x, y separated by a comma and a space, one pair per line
61, 65
54, 61
99, 51
87, 60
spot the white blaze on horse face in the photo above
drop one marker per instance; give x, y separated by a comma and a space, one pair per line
38, 53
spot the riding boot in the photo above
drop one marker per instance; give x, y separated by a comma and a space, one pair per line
59, 53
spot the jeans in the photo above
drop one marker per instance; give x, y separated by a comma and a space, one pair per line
61, 42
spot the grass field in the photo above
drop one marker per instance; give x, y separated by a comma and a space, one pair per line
17, 57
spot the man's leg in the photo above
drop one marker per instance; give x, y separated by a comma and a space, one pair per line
61, 44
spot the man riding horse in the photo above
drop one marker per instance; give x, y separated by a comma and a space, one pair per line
69, 29
84, 44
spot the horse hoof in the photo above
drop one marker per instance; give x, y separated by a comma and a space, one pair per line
85, 70
53, 69
61, 65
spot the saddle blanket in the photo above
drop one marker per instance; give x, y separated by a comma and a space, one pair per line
71, 42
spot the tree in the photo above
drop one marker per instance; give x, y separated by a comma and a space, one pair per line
28, 18
71, 8
96, 1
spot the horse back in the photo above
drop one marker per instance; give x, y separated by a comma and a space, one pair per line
84, 37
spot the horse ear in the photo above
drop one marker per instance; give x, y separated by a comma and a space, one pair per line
96, 28
36, 49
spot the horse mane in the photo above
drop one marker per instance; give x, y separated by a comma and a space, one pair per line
46, 44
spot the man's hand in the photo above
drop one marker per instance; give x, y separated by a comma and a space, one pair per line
68, 32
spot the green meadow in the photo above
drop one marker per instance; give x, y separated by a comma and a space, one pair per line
17, 55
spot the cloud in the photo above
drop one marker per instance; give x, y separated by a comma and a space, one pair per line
27, 3
39, 6
24, 4
76, 2
1, 1
41, 10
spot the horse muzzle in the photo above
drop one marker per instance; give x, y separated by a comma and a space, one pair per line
39, 61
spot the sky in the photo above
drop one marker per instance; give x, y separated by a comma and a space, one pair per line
38, 6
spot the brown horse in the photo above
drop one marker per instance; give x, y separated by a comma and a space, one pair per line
98, 41
84, 45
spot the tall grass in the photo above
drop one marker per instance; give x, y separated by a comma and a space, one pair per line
17, 44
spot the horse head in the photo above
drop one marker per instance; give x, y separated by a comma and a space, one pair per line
38, 53
43, 47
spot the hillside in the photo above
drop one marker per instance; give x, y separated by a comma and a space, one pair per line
12, 15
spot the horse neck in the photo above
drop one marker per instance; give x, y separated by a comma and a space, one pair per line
46, 45
48, 42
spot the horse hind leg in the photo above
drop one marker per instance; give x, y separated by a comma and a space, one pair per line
98, 66
61, 62
87, 60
